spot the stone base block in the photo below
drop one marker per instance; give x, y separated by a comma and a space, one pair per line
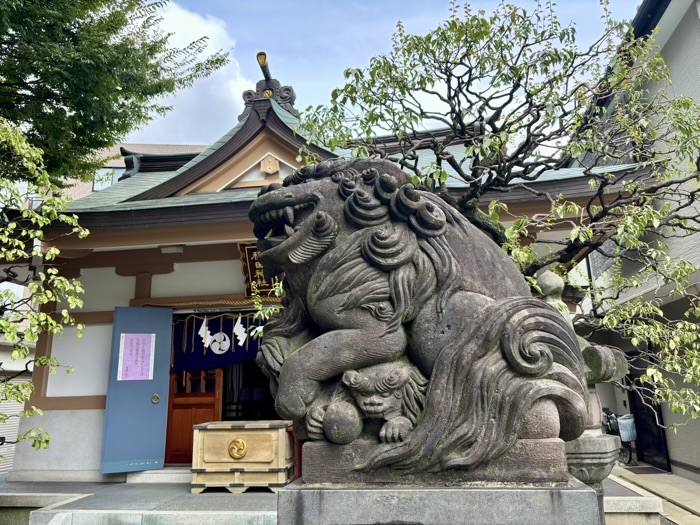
480, 504
529, 461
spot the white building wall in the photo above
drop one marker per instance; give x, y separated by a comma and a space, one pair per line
682, 55
683, 444
76, 443
89, 354
9, 429
75, 451
76, 435
90, 357
104, 289
623, 402
200, 278
681, 52
606, 393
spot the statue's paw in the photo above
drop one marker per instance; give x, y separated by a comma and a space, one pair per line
290, 406
314, 422
272, 355
262, 364
395, 430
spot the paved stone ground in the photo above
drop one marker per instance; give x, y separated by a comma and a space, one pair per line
156, 504
681, 496
173, 497
135, 504
611, 488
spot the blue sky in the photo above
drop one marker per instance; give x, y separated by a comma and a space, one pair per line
309, 43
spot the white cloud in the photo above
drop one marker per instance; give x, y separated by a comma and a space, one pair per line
207, 110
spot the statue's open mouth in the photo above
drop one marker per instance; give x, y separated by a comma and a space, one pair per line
276, 224
373, 408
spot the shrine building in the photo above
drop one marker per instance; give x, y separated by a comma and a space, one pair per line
171, 252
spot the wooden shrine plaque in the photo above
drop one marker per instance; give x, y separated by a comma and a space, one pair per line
253, 270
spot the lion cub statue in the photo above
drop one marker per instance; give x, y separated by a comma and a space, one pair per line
390, 392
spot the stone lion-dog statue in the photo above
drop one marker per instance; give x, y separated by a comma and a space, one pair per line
398, 310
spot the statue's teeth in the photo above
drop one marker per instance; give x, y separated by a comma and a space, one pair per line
288, 230
289, 215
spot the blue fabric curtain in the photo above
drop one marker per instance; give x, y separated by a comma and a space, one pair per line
225, 348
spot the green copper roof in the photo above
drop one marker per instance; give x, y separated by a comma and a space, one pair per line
286, 117
120, 191
115, 197
137, 184
456, 182
211, 149
197, 199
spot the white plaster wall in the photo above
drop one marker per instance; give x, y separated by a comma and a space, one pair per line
681, 52
13, 365
104, 289
684, 443
74, 453
623, 402
90, 357
200, 278
682, 55
606, 393
253, 174
285, 170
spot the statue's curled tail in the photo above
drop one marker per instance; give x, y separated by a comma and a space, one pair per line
518, 352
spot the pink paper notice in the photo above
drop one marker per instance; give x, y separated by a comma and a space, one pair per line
136, 354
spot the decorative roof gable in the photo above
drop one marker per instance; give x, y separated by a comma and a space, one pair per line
266, 129
265, 117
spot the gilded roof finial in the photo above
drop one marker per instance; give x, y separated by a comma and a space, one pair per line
270, 89
262, 60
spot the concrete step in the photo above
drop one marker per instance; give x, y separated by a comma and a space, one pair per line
104, 517
166, 475
160, 504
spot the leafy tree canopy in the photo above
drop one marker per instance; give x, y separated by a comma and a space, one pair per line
77, 76
29, 286
490, 103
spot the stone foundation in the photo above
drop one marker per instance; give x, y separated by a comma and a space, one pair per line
572, 503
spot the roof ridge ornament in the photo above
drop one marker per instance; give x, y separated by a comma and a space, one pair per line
268, 88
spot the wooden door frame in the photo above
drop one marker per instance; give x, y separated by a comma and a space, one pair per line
193, 399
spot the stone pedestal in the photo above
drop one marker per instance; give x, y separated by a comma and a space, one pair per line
572, 503
532, 461
591, 458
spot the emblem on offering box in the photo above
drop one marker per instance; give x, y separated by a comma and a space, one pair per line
253, 270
